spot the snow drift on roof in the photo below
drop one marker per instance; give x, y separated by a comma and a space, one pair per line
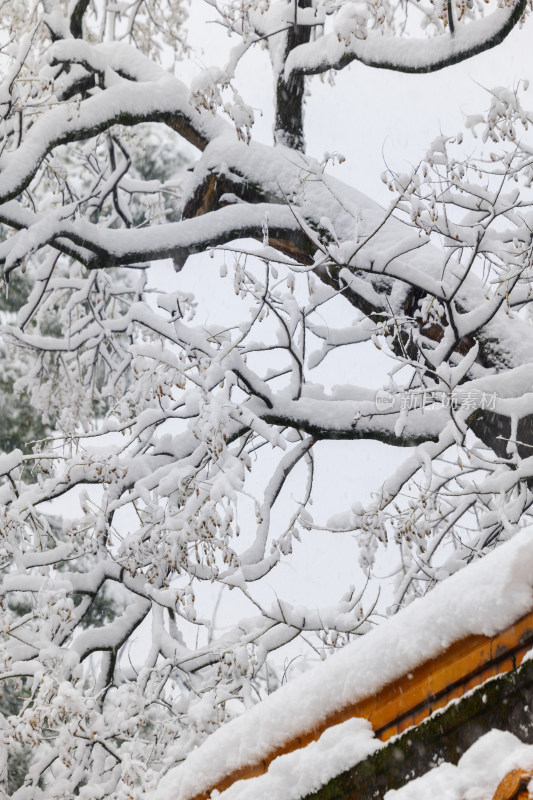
485, 598
477, 774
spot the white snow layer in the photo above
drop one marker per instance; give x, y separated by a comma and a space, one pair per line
298, 774
484, 598
477, 774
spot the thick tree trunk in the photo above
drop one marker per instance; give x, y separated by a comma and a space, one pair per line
288, 125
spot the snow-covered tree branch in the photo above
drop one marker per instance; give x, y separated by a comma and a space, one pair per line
165, 440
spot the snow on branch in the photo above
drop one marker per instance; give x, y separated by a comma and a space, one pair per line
164, 457
410, 55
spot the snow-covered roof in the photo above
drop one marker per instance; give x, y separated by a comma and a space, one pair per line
489, 770
486, 598
492, 768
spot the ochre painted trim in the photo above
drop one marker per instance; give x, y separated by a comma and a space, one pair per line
411, 699
514, 785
